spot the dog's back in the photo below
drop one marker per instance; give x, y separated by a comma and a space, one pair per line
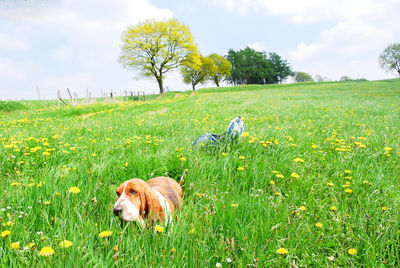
169, 188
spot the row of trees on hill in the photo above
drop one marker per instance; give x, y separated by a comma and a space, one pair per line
305, 77
254, 67
156, 47
201, 69
153, 48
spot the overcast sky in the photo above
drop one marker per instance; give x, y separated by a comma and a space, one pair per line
73, 43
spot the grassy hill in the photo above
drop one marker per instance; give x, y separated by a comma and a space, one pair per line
318, 176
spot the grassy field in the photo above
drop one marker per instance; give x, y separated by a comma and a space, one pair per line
315, 183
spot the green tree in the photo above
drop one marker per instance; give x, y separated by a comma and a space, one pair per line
303, 77
155, 47
280, 69
248, 66
319, 78
254, 67
390, 58
222, 68
197, 70
345, 78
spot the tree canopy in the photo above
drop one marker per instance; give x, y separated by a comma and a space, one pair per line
198, 70
222, 68
303, 77
254, 67
390, 58
155, 47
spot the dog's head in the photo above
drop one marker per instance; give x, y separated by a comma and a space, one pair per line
136, 202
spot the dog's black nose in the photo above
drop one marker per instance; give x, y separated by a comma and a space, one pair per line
117, 211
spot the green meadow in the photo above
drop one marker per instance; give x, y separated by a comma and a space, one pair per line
313, 182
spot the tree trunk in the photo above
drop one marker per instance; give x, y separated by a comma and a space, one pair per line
160, 85
216, 82
193, 85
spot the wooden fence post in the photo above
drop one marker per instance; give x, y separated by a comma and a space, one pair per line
38, 91
69, 93
59, 97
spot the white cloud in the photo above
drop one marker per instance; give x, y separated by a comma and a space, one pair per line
362, 28
13, 42
349, 48
257, 46
314, 10
79, 41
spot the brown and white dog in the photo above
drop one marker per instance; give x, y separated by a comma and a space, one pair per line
148, 202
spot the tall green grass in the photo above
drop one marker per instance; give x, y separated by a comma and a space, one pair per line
334, 136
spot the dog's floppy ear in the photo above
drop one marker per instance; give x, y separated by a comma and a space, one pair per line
153, 209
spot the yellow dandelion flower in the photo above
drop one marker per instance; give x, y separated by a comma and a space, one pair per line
5, 233
272, 182
303, 208
279, 176
223, 154
240, 168
384, 208
15, 245
278, 194
159, 229
172, 250
275, 172
330, 184
282, 251
65, 244
234, 205
347, 171
298, 160
14, 183
245, 134
333, 208
387, 148
105, 234
295, 175
46, 252
116, 248
183, 159
31, 245
74, 190
126, 164
241, 157
318, 224
348, 190
352, 251
46, 203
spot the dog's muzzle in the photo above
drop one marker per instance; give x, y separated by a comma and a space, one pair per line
117, 211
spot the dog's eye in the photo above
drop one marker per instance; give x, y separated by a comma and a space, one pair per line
133, 192
118, 194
